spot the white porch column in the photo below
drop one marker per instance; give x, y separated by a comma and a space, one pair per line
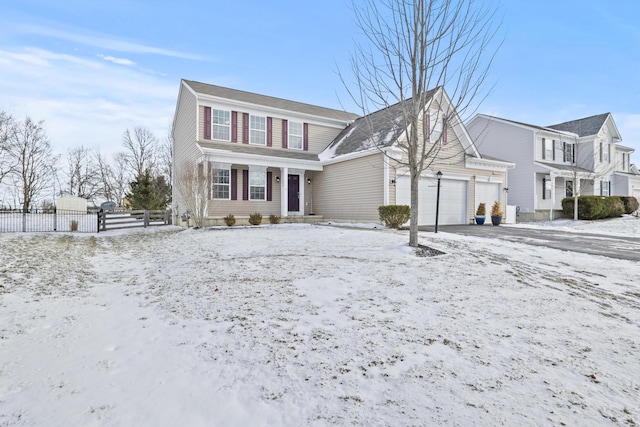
284, 192
553, 195
303, 185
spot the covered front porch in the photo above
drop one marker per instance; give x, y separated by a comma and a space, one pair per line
554, 184
244, 183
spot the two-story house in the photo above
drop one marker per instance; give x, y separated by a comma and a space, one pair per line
557, 161
275, 156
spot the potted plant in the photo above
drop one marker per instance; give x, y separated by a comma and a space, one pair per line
480, 213
496, 213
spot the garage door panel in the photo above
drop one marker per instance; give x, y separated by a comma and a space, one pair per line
453, 200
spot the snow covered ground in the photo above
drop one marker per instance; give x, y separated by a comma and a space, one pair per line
298, 324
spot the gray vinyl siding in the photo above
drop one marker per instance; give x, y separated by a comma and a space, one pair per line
350, 190
185, 150
514, 144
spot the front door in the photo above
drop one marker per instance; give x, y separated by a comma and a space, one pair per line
294, 193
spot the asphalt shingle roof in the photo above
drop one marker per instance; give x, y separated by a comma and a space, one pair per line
583, 127
380, 129
268, 101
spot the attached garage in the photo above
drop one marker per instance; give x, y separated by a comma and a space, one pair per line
487, 193
453, 200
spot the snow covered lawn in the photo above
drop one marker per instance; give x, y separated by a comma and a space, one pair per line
293, 325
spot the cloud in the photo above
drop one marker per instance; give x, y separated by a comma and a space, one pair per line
119, 61
86, 102
102, 41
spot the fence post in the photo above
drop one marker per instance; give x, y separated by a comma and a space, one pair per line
55, 219
146, 218
24, 220
98, 216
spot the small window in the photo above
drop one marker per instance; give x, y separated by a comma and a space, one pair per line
604, 188
569, 189
546, 188
548, 150
435, 121
258, 130
221, 185
568, 153
220, 124
295, 135
257, 185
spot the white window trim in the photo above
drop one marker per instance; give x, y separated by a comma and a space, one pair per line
227, 125
252, 130
214, 184
254, 170
290, 135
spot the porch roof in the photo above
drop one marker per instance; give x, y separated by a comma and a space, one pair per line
564, 170
259, 156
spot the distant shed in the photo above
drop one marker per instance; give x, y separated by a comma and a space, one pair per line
72, 204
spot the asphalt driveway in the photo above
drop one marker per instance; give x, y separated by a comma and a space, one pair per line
595, 244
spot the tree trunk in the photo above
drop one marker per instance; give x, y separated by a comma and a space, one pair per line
413, 225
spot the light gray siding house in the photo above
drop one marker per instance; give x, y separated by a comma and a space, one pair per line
304, 162
553, 162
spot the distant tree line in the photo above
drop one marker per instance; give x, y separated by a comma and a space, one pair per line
32, 176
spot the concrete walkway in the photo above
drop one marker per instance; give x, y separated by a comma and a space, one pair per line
596, 244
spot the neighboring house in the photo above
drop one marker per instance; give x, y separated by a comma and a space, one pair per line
273, 156
553, 162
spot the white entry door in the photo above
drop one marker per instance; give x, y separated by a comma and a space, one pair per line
453, 200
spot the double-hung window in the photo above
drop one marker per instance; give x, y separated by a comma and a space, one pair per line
604, 188
295, 135
257, 185
568, 152
220, 124
257, 130
546, 188
548, 149
221, 185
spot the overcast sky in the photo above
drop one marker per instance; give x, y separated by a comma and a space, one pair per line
92, 69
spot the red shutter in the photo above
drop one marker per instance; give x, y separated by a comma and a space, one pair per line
234, 126
245, 184
207, 122
269, 190
234, 184
269, 131
245, 128
285, 134
444, 131
306, 136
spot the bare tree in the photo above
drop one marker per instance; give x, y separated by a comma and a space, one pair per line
32, 154
165, 156
120, 177
83, 175
105, 174
194, 189
415, 46
141, 149
7, 140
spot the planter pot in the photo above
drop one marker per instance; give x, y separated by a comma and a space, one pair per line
479, 219
496, 220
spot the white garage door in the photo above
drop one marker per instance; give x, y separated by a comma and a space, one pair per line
487, 193
453, 200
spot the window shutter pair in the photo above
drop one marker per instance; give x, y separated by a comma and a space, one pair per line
245, 185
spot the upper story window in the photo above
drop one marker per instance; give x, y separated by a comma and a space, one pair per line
221, 185
548, 149
605, 152
257, 130
558, 151
220, 124
569, 152
295, 135
257, 185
